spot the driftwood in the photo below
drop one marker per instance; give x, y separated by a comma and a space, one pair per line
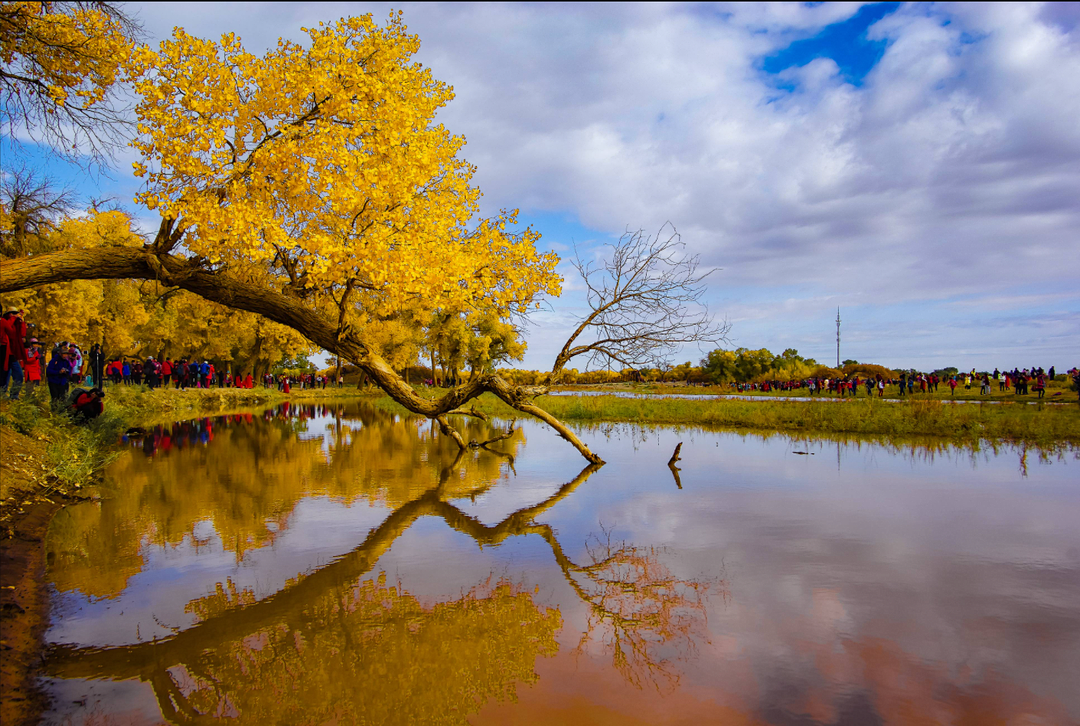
671, 465
474, 444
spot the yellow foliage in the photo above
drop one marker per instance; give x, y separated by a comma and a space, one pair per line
326, 162
73, 54
133, 318
95, 229
368, 653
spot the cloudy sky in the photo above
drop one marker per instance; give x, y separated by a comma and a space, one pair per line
917, 166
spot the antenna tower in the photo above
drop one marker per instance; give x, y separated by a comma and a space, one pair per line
838, 338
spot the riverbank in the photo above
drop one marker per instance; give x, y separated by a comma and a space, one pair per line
46, 462
1057, 391
1040, 425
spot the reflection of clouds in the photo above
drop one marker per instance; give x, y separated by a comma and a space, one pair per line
895, 586
946, 562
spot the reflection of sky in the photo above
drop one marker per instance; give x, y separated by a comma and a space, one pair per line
318, 530
843, 569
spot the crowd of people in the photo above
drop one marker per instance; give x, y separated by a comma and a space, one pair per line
1021, 382
183, 374
25, 365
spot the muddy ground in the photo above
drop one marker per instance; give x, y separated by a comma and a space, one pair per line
27, 505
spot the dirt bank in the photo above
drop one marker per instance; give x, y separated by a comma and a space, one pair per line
27, 505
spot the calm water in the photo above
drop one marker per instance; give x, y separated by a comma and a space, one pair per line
342, 565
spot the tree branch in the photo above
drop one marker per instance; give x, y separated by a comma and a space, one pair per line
645, 302
217, 286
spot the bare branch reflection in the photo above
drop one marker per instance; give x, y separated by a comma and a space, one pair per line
638, 609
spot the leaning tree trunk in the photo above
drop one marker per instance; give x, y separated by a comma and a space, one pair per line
115, 263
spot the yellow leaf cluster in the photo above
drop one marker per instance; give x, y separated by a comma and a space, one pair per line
324, 161
74, 54
143, 318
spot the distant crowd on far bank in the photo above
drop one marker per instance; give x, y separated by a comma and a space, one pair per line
1020, 382
24, 361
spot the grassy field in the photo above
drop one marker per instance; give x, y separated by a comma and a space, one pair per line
1057, 391
1045, 425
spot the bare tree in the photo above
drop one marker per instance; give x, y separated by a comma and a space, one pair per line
35, 204
645, 301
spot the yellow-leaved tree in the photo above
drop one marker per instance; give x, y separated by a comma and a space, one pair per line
59, 64
312, 185
132, 318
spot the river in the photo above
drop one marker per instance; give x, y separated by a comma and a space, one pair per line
340, 564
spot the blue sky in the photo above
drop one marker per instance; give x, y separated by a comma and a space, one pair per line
844, 42
916, 165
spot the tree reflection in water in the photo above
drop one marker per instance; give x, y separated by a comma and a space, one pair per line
638, 608
244, 474
369, 653
332, 645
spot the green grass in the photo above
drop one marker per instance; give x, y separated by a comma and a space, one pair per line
1059, 391
332, 394
1046, 425
73, 454
139, 406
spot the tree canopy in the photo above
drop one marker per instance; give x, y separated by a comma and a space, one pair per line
59, 65
325, 162
314, 186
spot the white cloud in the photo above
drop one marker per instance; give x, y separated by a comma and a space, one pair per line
953, 170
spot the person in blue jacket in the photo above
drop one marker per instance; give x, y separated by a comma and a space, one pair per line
58, 372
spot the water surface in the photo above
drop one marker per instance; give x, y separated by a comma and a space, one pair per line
315, 564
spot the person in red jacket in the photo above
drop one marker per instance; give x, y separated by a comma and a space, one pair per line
86, 405
12, 351
248, 382
33, 366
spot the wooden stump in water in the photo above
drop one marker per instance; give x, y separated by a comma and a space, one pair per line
671, 465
